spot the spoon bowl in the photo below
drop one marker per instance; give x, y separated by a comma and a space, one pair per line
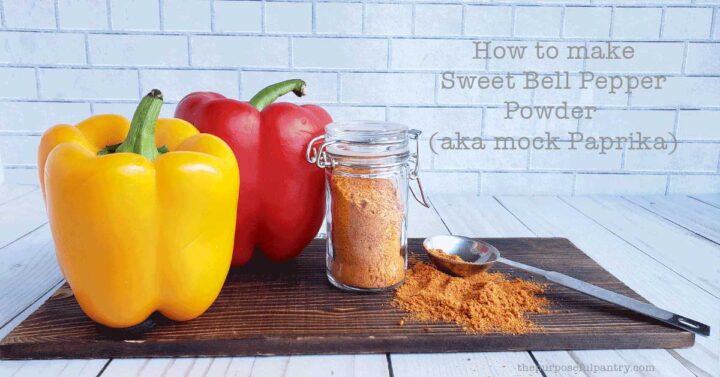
477, 256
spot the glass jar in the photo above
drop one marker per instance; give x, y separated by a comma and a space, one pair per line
368, 166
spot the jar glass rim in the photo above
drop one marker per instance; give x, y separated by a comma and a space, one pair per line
366, 131
366, 139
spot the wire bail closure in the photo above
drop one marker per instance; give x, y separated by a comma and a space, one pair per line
415, 172
318, 156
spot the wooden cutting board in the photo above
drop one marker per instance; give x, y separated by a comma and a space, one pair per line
268, 309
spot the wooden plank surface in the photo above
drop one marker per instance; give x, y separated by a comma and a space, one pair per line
292, 309
28, 276
678, 249
60, 368
706, 365
546, 216
684, 211
424, 222
500, 364
10, 192
487, 217
324, 365
711, 199
28, 269
21, 216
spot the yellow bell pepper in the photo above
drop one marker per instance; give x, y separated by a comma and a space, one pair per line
142, 226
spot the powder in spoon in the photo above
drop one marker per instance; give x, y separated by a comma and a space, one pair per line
442, 254
482, 303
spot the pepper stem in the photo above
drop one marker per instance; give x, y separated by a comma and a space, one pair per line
141, 137
274, 91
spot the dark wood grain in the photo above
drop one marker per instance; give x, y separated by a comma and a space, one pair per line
269, 309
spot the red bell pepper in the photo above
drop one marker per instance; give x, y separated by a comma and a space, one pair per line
283, 197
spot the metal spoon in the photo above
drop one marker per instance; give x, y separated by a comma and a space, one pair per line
478, 256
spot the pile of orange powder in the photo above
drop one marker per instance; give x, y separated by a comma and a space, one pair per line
482, 303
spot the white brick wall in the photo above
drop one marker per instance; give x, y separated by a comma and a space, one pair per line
339, 18
124, 15
29, 14
587, 22
538, 21
388, 19
138, 50
82, 14
238, 16
637, 23
63, 60
482, 20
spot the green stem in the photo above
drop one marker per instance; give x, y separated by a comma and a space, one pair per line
274, 91
141, 137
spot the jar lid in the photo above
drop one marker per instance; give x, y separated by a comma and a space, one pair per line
366, 139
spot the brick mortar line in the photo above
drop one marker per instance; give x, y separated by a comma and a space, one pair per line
663, 16
428, 104
291, 56
574, 184
56, 5
413, 12
212, 16
161, 14
263, 17
513, 17
489, 138
514, 171
38, 81
714, 21
389, 55
240, 82
199, 33
579, 172
578, 3
108, 9
368, 104
139, 83
363, 17
300, 70
2, 13
189, 51
313, 17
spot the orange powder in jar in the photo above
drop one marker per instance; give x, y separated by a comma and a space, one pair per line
367, 229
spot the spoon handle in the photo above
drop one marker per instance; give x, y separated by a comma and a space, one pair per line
616, 298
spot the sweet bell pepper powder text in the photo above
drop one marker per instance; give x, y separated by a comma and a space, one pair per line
367, 226
482, 303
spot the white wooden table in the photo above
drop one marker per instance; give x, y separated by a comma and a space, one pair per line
665, 248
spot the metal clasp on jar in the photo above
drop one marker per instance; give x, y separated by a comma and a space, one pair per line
316, 155
414, 172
